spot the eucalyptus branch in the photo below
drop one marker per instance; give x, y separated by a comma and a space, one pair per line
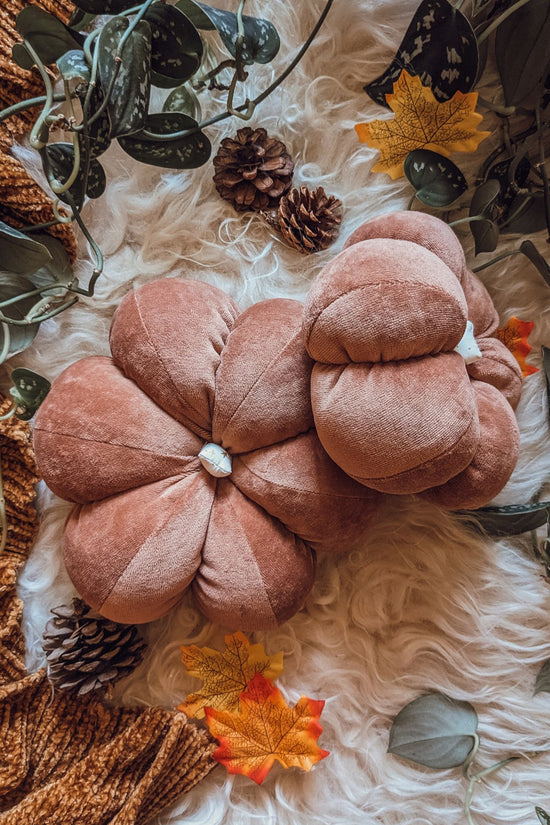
255, 101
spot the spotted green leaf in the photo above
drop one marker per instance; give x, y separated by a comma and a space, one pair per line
104, 6
261, 40
129, 98
521, 48
176, 45
184, 101
28, 391
436, 179
60, 157
72, 65
187, 152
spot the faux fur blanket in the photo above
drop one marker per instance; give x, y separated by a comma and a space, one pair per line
427, 604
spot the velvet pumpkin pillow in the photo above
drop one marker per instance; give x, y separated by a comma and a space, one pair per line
192, 460
404, 399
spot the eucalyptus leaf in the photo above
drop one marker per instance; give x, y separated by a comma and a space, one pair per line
104, 6
544, 818
73, 65
179, 153
529, 249
129, 99
261, 40
176, 45
49, 37
521, 48
436, 179
184, 101
434, 730
61, 160
542, 682
28, 391
527, 214
19, 253
510, 520
485, 231
20, 336
439, 46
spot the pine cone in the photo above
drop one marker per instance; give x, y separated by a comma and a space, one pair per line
86, 653
253, 170
308, 221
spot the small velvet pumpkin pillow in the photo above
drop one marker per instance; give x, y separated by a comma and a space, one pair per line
192, 460
408, 397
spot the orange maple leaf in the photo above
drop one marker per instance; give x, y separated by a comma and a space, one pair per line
421, 122
267, 730
514, 335
226, 674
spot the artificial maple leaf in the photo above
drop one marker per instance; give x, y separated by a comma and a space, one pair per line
514, 335
226, 674
267, 730
421, 122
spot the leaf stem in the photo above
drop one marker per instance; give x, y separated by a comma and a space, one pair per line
5, 343
469, 219
478, 777
507, 254
40, 123
496, 23
31, 103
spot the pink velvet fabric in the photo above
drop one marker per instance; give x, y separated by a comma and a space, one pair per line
120, 437
394, 405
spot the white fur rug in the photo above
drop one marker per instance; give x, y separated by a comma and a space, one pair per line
427, 605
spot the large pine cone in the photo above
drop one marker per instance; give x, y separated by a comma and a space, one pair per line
253, 170
87, 653
308, 221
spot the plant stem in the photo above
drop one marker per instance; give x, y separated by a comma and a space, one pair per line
34, 138
542, 169
31, 103
477, 777
497, 258
98, 269
496, 107
255, 101
496, 23
6, 343
469, 219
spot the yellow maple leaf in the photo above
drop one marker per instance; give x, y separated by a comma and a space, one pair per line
267, 730
226, 673
514, 335
421, 122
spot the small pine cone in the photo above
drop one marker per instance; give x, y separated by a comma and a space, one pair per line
86, 653
307, 220
253, 170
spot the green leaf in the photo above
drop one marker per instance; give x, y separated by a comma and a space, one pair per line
184, 101
61, 160
521, 48
58, 270
19, 253
485, 232
73, 65
80, 19
196, 15
434, 730
511, 520
129, 99
529, 249
544, 818
440, 47
261, 40
11, 286
176, 45
542, 682
179, 153
29, 390
49, 37
530, 217
21, 56
104, 6
99, 133
436, 179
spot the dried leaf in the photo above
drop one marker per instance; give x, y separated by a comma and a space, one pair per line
226, 674
434, 730
421, 122
514, 335
267, 730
